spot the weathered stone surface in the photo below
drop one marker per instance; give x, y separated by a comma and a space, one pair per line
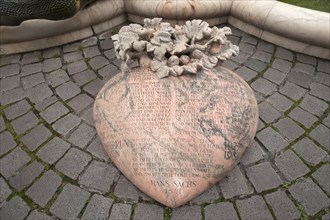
185, 120
13, 162
224, 210
187, 212
97, 208
253, 208
120, 211
148, 211
16, 209
7, 142
53, 150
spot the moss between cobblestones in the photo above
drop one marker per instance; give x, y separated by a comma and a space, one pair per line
321, 213
56, 55
294, 105
235, 207
53, 199
40, 57
167, 213
270, 208
133, 210
304, 215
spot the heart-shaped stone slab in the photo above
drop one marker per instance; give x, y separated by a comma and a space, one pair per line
175, 137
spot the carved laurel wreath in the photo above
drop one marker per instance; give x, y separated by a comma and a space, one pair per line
173, 51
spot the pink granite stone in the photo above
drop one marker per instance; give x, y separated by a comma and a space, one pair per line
176, 137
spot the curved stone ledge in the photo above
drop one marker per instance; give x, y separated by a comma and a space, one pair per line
299, 29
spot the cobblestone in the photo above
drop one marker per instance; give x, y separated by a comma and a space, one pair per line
253, 154
323, 78
303, 117
57, 78
98, 208
36, 137
17, 109
9, 70
310, 196
12, 162
289, 129
284, 54
36, 215
30, 69
98, 62
9, 83
76, 67
207, 197
53, 150
14, 58
24, 123
247, 48
54, 112
265, 46
280, 102
262, 56
267, 113
52, 52
87, 116
73, 163
187, 212
120, 211
94, 87
290, 165
320, 91
110, 54
322, 176
224, 210
253, 208
80, 102
313, 105
99, 177
91, 52
32, 80
106, 44
12, 96
255, 65
321, 135
126, 190
39, 93
282, 65
16, 209
309, 151
323, 66
70, 202
2, 126
82, 135
73, 56
273, 141
5, 190
292, 91
7, 142
66, 124
97, 150
44, 188
306, 59
302, 79
84, 77
31, 57
241, 58
274, 76
25, 176
71, 47
51, 64
246, 73
148, 211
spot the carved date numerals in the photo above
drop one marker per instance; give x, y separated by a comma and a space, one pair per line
230, 151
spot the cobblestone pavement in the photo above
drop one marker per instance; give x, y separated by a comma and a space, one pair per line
53, 166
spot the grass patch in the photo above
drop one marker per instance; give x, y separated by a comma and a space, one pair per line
319, 5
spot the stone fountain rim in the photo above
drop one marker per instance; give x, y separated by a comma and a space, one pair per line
259, 18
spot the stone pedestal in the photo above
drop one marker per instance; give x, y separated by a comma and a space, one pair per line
175, 137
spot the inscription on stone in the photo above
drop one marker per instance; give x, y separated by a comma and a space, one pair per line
175, 137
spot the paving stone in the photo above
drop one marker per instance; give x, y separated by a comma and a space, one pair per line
326, 216
44, 188
274, 76
323, 66
282, 65
323, 78
106, 44
2, 125
120, 211
7, 142
32, 80
17, 109
187, 212
310, 196
70, 202
73, 56
320, 91
66, 124
12, 162
9, 83
224, 210
273, 141
51, 64
263, 86
5, 190
80, 102
12, 96
54, 112
253, 208
73, 163
246, 73
108, 71
94, 87
262, 56
247, 48
289, 129
36, 137
326, 121
282, 206
125, 189
235, 184
229, 64
265, 46
97, 150
321, 135
39, 93
24, 123
99, 177
236, 32
76, 67
89, 42
280, 102
36, 215
98, 62
25, 176
90, 52
40, 106
98, 208
16, 209
84, 77
31, 57
292, 91
313, 105
9, 70
71, 47
116, 62
30, 69
68, 90
322, 176
148, 211
110, 54
290, 165
268, 113
284, 53
82, 135
246, 38
88, 116
304, 68
301, 79
52, 52
253, 154
309, 151
303, 117
9, 59
207, 197
53, 150
306, 59
57, 78
263, 177
255, 65
241, 58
